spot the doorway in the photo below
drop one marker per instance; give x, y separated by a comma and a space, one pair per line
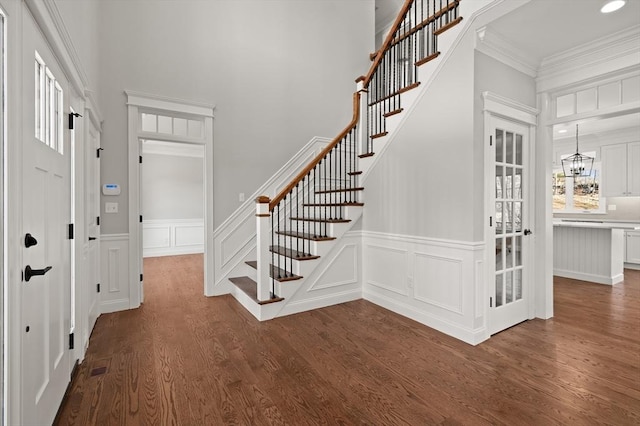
162, 119
172, 204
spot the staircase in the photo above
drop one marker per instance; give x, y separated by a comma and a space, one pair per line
305, 221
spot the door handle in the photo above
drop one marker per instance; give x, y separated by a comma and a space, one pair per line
92, 238
29, 240
527, 232
28, 272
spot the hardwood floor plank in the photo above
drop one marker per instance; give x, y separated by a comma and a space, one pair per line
185, 359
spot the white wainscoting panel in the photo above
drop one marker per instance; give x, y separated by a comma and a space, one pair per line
114, 282
435, 282
172, 237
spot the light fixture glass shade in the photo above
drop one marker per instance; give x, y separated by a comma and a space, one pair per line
612, 6
577, 164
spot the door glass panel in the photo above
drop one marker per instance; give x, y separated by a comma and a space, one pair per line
508, 284
518, 283
519, 149
517, 250
509, 147
517, 183
508, 183
498, 217
509, 252
517, 216
498, 290
499, 250
499, 146
507, 215
499, 182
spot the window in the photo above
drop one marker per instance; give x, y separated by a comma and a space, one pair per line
579, 194
49, 105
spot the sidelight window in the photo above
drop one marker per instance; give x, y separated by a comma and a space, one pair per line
49, 105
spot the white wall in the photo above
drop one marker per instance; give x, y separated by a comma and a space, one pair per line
279, 73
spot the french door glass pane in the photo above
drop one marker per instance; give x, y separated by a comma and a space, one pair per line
499, 146
499, 290
499, 250
519, 149
518, 283
517, 250
508, 287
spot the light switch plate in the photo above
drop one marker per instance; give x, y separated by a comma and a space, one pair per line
111, 207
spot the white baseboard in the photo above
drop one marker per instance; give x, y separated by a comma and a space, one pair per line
110, 306
598, 279
321, 302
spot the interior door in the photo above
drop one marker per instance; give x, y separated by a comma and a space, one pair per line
509, 286
46, 206
92, 214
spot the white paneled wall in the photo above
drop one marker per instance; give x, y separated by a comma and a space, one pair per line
172, 237
589, 254
114, 285
436, 282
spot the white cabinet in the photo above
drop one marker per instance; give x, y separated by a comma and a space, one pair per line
621, 170
632, 247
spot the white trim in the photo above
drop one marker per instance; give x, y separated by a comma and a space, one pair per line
497, 46
609, 54
138, 102
165, 103
508, 108
593, 278
437, 242
171, 244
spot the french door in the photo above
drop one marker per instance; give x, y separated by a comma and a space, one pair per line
509, 199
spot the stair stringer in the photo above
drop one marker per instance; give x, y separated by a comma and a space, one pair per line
332, 279
447, 43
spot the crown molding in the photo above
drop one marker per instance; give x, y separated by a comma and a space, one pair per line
496, 46
609, 54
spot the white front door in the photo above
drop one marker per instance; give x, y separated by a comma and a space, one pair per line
46, 206
509, 198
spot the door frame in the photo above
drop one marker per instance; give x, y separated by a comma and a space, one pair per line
3, 222
138, 103
499, 107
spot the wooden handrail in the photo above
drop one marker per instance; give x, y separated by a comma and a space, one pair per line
356, 116
387, 41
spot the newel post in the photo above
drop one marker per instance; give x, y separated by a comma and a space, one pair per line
362, 132
262, 247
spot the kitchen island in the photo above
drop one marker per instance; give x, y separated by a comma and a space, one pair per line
590, 250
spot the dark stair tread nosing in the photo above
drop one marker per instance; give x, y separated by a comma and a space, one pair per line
313, 219
447, 26
250, 288
329, 191
305, 236
368, 154
354, 173
394, 112
346, 204
293, 254
280, 272
427, 59
379, 135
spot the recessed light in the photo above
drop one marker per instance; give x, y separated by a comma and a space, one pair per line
612, 6
562, 131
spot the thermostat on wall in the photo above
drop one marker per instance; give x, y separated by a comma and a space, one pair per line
111, 189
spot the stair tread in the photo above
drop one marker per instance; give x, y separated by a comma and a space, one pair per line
368, 154
305, 236
293, 254
312, 219
379, 135
250, 288
354, 173
329, 191
347, 204
394, 112
276, 273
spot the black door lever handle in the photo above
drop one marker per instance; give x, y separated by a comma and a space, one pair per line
28, 272
29, 241
92, 238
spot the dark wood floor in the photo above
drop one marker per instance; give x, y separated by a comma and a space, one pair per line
185, 359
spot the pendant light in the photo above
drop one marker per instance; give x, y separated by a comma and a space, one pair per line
577, 164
